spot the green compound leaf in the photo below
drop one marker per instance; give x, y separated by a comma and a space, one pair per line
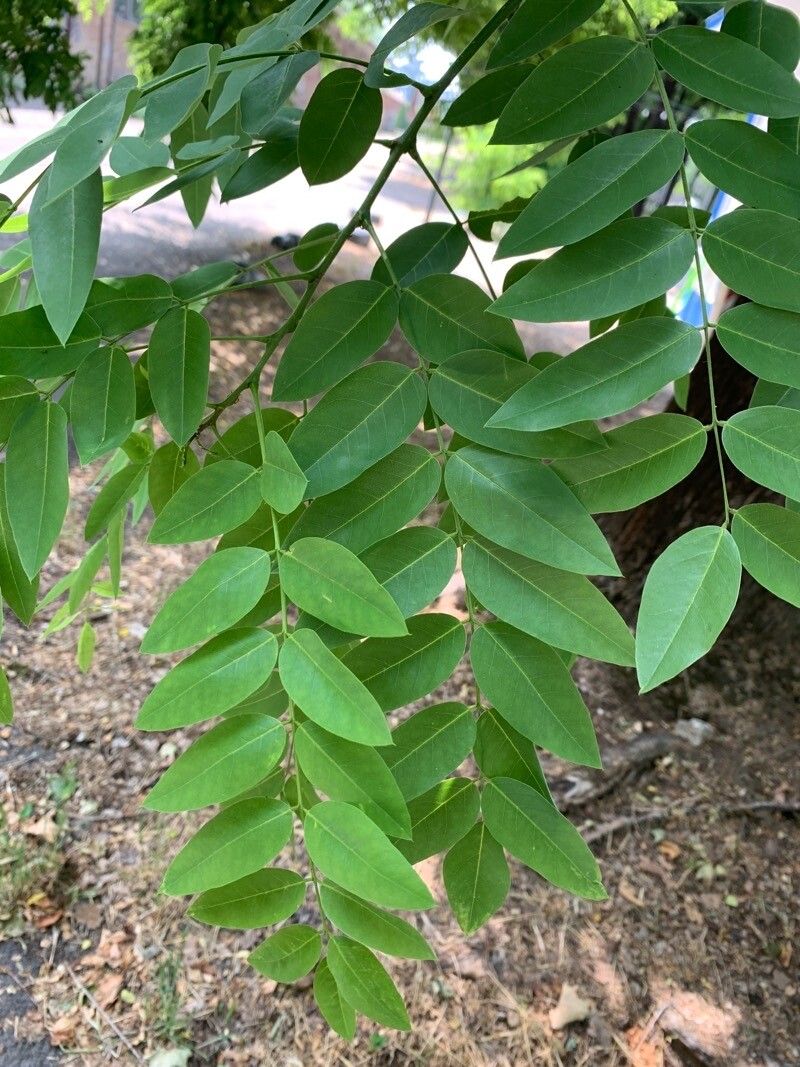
526, 507
126, 304
644, 459
561, 609
235, 843
219, 593
432, 248
727, 70
334, 1009
531, 687
102, 402
580, 86
688, 597
338, 125
400, 670
349, 848
354, 774
536, 25
357, 423
476, 878
283, 484
471, 387
755, 253
764, 340
768, 539
373, 926
177, 363
429, 745
365, 983
443, 314
37, 482
624, 265
213, 679
329, 581
534, 831
484, 99
751, 165
610, 375
328, 693
440, 817
211, 502
346, 325
288, 954
30, 348
259, 899
220, 765
376, 504
594, 191
16, 394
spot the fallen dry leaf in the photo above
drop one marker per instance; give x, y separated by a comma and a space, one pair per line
571, 1008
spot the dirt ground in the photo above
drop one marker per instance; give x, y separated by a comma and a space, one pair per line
693, 959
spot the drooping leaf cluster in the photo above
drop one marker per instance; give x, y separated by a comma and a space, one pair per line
338, 507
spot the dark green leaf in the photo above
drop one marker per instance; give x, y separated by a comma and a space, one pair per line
581, 86
764, 443
218, 675
220, 765
16, 394
329, 581
727, 70
619, 268
334, 1009
338, 125
6, 700
328, 693
28, 346
749, 164
410, 23
103, 402
501, 752
536, 25
524, 506
237, 842
354, 774
688, 597
768, 539
339, 331
283, 484
267, 165
644, 459
170, 467
380, 501
288, 954
242, 440
259, 899
531, 687
432, 248
222, 589
469, 388
444, 314
350, 849
476, 878
113, 497
18, 590
534, 831
764, 340
372, 926
360, 420
561, 609
608, 376
214, 500
429, 745
65, 236
400, 670
772, 29
37, 482
177, 362
127, 304
365, 984
440, 817
413, 566
484, 99
595, 190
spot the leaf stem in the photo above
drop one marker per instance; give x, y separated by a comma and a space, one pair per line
695, 232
